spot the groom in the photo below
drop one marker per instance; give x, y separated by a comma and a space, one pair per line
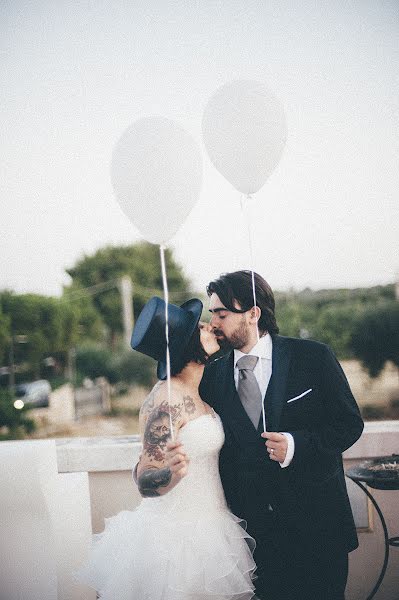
287, 483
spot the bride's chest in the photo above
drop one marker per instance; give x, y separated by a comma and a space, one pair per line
202, 437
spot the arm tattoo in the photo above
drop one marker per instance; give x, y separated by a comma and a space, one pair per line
156, 435
157, 431
151, 479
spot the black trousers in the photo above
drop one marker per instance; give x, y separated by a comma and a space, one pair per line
295, 569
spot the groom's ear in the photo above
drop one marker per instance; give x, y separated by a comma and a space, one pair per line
255, 313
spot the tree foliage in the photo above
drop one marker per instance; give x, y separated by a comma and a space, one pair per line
375, 338
47, 325
142, 263
88, 319
133, 367
5, 334
329, 315
121, 366
93, 361
13, 422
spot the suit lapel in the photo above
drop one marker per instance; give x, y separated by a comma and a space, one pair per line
276, 391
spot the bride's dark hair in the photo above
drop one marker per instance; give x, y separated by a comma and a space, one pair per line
194, 352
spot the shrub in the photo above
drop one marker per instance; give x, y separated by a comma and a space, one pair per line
94, 361
13, 421
373, 412
124, 366
375, 338
137, 368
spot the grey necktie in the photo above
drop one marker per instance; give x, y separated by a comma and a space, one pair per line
248, 388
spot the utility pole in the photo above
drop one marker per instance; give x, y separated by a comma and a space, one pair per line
71, 366
11, 375
15, 339
126, 290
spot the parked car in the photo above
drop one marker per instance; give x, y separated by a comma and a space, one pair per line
34, 393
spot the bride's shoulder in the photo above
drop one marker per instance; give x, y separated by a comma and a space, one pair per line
159, 396
152, 400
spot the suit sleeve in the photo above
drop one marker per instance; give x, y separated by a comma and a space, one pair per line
342, 423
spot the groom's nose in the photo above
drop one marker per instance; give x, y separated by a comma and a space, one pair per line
213, 321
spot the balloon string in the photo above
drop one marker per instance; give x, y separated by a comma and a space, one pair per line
244, 205
162, 249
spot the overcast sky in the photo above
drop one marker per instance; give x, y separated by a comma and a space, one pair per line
75, 74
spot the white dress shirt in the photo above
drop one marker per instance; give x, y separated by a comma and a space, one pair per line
263, 371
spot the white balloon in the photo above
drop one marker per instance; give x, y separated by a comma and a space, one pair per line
156, 174
244, 130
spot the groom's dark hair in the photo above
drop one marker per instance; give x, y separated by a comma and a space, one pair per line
238, 286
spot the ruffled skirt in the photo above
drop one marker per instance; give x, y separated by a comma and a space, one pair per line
148, 554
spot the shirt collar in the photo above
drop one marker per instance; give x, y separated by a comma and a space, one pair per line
262, 349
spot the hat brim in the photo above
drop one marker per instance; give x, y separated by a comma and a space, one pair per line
194, 307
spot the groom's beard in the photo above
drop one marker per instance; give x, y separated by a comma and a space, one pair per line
224, 343
237, 340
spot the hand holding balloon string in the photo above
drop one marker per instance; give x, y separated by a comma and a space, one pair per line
276, 444
176, 458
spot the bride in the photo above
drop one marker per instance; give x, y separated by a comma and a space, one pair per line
182, 542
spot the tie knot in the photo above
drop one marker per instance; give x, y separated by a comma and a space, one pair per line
247, 363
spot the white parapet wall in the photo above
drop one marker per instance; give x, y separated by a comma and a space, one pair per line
109, 462
45, 524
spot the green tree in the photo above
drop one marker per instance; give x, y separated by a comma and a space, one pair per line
133, 367
329, 315
123, 366
294, 318
288, 316
93, 361
5, 334
80, 308
375, 338
13, 422
142, 263
334, 325
48, 325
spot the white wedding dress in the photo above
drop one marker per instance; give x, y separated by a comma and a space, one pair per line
185, 545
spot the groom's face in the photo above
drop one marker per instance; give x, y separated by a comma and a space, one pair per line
231, 329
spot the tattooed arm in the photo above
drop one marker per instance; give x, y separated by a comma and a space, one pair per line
155, 476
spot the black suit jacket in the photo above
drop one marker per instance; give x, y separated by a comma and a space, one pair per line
308, 497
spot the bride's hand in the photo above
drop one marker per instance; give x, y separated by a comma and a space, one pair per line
176, 459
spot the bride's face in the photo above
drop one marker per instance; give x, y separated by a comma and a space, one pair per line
208, 339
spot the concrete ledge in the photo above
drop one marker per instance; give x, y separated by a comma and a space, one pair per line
97, 454
379, 438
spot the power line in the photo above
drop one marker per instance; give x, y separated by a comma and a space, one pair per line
114, 283
91, 290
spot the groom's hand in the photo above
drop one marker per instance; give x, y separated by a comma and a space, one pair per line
276, 445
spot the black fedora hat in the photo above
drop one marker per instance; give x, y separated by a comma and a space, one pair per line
149, 336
